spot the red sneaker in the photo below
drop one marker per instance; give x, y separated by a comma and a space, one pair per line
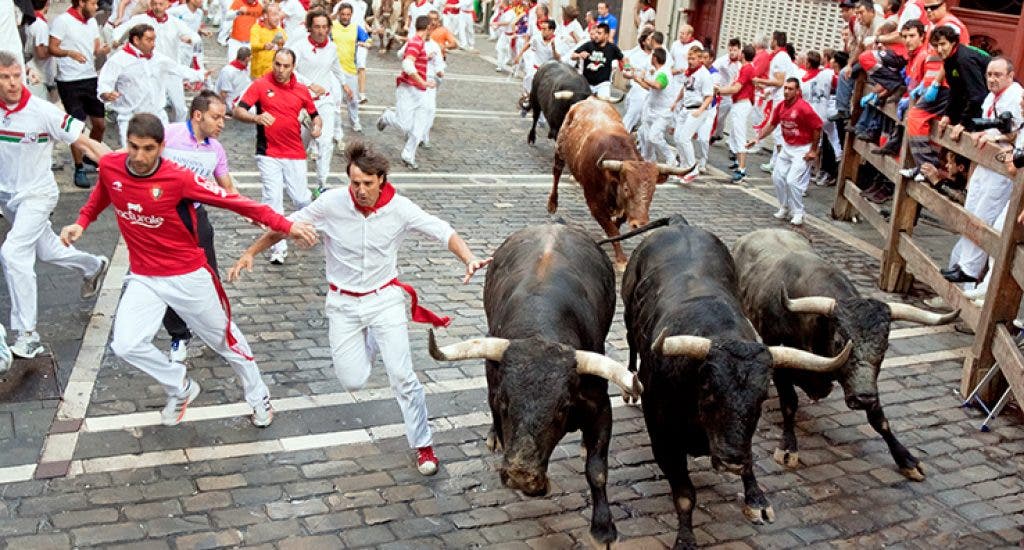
426, 462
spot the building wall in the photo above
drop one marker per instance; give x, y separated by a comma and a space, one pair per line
810, 24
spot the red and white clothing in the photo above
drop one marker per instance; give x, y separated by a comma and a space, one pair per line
798, 123
410, 114
28, 195
417, 9
679, 53
569, 35
78, 35
139, 80
639, 62
698, 86
38, 34
647, 16
189, 55
463, 28
367, 313
506, 26
280, 153
435, 68
539, 53
170, 32
742, 109
233, 81
318, 64
168, 268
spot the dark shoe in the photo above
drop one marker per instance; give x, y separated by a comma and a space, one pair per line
868, 136
872, 189
949, 270
959, 276
714, 139
880, 196
82, 179
734, 165
841, 115
732, 157
891, 148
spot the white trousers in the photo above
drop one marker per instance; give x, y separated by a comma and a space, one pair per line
704, 138
724, 106
409, 116
361, 53
652, 138
359, 329
739, 124
31, 237
998, 226
176, 97
194, 297
325, 143
503, 50
430, 111
635, 99
791, 175
987, 195
529, 70
352, 104
465, 33
278, 175
831, 133
686, 133
603, 89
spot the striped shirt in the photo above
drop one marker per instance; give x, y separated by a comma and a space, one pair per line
416, 49
27, 134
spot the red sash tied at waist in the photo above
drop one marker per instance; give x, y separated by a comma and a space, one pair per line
420, 314
226, 305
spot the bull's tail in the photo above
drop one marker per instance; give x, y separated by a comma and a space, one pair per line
660, 222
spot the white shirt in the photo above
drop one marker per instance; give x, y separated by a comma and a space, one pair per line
294, 17
362, 251
139, 81
780, 63
647, 17
10, 38
435, 61
194, 21
541, 50
640, 62
1009, 101
26, 146
416, 11
39, 35
320, 67
696, 87
818, 91
234, 82
75, 36
168, 34
680, 54
728, 70
659, 101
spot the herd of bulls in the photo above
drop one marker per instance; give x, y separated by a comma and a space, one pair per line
711, 328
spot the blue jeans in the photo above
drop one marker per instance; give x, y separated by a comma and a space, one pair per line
870, 121
844, 92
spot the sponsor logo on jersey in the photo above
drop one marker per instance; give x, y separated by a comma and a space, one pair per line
135, 216
156, 192
117, 185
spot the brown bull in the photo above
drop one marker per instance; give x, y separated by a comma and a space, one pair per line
618, 184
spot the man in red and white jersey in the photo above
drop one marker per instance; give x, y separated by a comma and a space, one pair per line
28, 193
410, 112
801, 134
169, 269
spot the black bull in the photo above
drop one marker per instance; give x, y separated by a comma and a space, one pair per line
555, 77
704, 388
549, 297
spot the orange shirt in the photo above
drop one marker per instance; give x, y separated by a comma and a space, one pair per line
243, 23
443, 37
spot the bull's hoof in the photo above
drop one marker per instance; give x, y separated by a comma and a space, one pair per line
759, 516
915, 473
552, 206
593, 542
789, 459
493, 443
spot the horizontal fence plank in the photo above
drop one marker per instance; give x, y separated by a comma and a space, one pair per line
865, 208
887, 165
954, 216
925, 270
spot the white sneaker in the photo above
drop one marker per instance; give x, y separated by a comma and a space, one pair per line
6, 359
357, 128
263, 414
91, 284
781, 214
179, 350
797, 220
767, 167
27, 345
277, 258
174, 411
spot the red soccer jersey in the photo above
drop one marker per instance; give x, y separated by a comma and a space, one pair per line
416, 49
158, 242
283, 138
762, 60
798, 121
745, 78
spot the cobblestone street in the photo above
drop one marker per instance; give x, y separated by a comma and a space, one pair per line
334, 470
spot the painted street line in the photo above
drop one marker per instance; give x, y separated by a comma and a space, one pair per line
924, 358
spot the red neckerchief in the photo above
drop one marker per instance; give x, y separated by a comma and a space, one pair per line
689, 71
158, 19
992, 108
287, 85
238, 65
41, 15
73, 12
811, 73
25, 95
316, 45
130, 50
387, 192
541, 22
419, 3
778, 51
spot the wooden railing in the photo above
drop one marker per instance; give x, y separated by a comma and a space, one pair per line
903, 259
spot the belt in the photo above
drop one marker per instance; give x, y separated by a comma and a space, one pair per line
420, 314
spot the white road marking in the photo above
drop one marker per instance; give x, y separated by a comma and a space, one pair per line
919, 331
922, 358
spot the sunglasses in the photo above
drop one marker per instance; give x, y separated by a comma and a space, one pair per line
933, 7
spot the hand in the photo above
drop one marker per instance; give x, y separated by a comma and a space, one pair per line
811, 155
110, 96
954, 131
77, 56
186, 39
33, 76
431, 85
264, 119
847, 71
929, 171
943, 123
583, 55
103, 50
245, 262
317, 90
304, 233
206, 33
241, 12
70, 234
473, 265
315, 131
674, 105
750, 144
269, 46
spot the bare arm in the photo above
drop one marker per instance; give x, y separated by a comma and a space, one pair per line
461, 250
92, 148
227, 183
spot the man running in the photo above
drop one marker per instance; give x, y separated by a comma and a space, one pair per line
349, 38
28, 193
168, 268
410, 114
598, 57
193, 144
280, 156
363, 228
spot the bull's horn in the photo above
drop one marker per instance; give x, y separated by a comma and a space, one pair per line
793, 358
477, 348
695, 347
564, 94
611, 99
822, 305
612, 165
904, 312
674, 170
588, 362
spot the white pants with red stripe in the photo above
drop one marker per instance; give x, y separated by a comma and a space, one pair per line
362, 327
194, 297
409, 116
279, 175
31, 237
